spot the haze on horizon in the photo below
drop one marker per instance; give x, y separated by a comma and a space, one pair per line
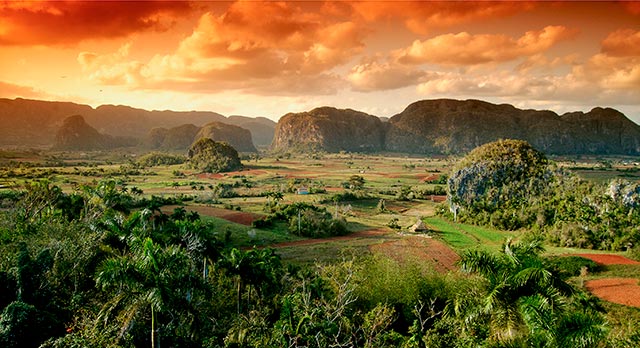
269, 58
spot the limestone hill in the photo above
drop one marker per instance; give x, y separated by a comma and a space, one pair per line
75, 134
329, 129
235, 136
446, 126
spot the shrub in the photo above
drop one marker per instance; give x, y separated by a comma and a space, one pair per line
158, 159
571, 266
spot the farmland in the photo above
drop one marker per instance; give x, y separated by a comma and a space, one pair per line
378, 198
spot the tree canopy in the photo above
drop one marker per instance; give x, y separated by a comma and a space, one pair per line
211, 156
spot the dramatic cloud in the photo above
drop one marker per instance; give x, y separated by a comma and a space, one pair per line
375, 76
467, 49
622, 43
252, 46
68, 22
611, 73
423, 16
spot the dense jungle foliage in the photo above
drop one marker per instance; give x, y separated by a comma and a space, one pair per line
510, 185
101, 267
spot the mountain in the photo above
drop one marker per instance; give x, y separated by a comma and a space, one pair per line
176, 138
25, 122
329, 129
262, 129
235, 136
182, 137
32, 122
446, 126
454, 126
75, 134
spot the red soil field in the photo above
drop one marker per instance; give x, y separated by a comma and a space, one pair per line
374, 233
623, 291
609, 259
433, 251
238, 217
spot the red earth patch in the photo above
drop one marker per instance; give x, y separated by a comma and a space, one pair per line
374, 233
238, 217
609, 259
623, 291
431, 250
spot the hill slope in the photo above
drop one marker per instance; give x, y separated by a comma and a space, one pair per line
329, 129
446, 126
76, 134
25, 122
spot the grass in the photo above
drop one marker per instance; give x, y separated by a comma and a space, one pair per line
451, 234
463, 236
324, 253
245, 236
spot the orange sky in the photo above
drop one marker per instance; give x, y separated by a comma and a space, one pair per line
269, 58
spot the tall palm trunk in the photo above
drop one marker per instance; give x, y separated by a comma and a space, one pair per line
239, 294
153, 327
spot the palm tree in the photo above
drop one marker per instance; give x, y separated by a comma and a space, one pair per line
524, 296
256, 269
150, 277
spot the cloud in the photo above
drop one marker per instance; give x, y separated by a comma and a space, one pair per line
372, 75
540, 62
10, 90
112, 69
421, 17
611, 73
69, 22
253, 46
503, 84
467, 49
622, 43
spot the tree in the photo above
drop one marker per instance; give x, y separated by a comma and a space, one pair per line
150, 280
526, 300
211, 156
356, 182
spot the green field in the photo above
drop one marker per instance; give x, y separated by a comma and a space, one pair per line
377, 197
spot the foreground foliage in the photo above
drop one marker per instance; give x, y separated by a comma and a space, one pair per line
101, 271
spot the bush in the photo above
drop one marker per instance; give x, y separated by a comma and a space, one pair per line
158, 159
571, 266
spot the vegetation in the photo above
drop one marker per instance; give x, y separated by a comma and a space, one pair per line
211, 156
154, 159
509, 185
149, 258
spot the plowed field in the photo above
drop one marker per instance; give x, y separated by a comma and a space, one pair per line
623, 291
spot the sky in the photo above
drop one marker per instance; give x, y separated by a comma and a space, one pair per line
266, 59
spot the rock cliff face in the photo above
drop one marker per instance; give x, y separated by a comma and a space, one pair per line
235, 136
329, 129
76, 134
604, 131
446, 126
452, 126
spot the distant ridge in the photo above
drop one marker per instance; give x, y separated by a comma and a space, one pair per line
25, 122
75, 134
447, 126
440, 126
